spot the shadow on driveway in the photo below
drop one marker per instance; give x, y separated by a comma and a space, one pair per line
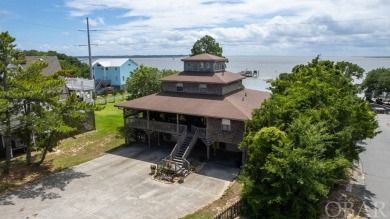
40, 188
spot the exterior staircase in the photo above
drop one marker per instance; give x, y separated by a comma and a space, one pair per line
177, 161
178, 157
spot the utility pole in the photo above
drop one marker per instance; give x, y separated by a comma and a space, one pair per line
89, 50
89, 53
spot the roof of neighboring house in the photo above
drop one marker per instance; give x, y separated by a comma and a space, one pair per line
204, 77
237, 105
52, 61
111, 62
205, 57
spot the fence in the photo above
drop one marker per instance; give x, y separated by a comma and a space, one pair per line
230, 212
111, 99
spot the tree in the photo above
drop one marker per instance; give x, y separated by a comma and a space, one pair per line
7, 56
206, 44
144, 81
303, 139
40, 114
377, 83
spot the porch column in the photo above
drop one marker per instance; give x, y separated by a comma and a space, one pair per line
208, 151
147, 112
82, 88
177, 123
124, 124
158, 138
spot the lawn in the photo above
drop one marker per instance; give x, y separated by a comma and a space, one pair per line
72, 151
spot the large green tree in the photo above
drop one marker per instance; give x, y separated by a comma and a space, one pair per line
377, 83
303, 139
39, 115
145, 80
206, 44
7, 56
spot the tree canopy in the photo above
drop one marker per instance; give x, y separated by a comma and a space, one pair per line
31, 101
377, 83
145, 80
302, 140
7, 56
206, 44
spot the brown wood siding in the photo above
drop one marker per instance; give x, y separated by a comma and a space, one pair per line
213, 89
231, 87
214, 131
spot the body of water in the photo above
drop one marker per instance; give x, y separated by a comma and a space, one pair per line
269, 67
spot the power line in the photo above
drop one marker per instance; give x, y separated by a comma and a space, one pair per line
194, 28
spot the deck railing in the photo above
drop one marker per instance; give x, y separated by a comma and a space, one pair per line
156, 126
201, 132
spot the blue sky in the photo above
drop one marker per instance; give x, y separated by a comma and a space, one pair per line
168, 27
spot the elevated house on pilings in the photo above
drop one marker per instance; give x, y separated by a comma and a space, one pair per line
203, 102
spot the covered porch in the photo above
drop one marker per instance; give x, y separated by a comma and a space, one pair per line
174, 124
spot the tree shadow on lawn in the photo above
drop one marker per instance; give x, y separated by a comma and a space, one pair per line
43, 188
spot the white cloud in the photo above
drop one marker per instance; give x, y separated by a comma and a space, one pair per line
5, 12
95, 21
259, 27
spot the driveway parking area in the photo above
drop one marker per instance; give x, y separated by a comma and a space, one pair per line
376, 170
117, 185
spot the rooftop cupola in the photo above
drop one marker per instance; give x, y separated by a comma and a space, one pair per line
204, 63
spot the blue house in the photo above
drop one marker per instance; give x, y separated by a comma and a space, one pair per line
113, 71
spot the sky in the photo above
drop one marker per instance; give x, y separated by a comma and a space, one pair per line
171, 27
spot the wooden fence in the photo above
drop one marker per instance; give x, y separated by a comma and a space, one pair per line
230, 212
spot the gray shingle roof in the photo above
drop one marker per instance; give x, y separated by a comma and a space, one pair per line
205, 57
52, 61
235, 105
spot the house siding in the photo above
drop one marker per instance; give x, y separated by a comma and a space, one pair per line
231, 87
214, 131
117, 74
213, 89
204, 66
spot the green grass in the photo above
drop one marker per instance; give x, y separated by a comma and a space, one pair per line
71, 151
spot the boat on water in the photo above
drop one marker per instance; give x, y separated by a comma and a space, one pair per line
248, 73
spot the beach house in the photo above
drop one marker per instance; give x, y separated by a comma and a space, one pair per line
203, 102
112, 71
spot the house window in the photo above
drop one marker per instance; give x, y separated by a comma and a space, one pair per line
98, 65
93, 68
179, 87
202, 88
226, 125
116, 69
123, 78
106, 69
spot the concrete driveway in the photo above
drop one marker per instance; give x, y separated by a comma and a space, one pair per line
117, 185
376, 168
